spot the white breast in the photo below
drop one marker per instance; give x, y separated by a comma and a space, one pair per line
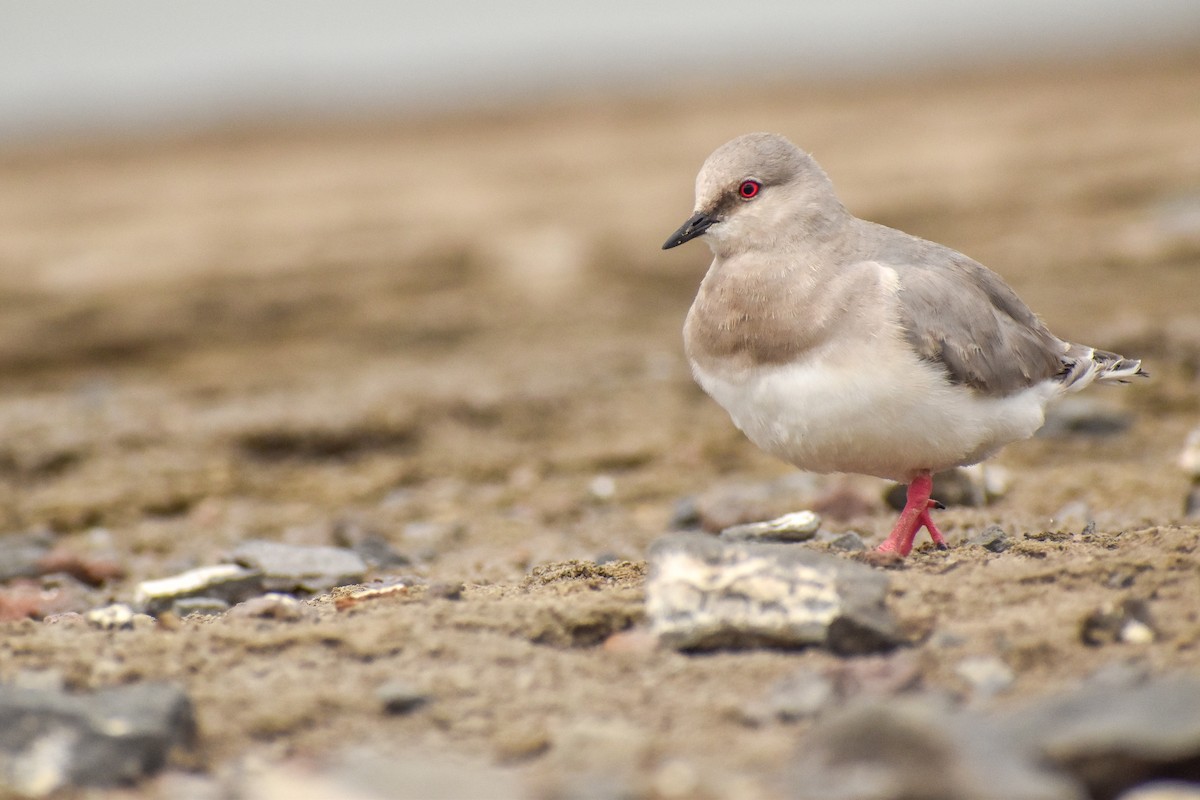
871, 407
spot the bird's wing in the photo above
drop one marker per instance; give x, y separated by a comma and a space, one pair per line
959, 314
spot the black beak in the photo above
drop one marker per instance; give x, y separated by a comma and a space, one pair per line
695, 226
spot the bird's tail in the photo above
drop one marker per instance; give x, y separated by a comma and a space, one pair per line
1084, 365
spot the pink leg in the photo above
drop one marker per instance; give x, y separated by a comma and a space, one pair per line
914, 517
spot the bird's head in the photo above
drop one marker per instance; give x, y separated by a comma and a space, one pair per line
754, 191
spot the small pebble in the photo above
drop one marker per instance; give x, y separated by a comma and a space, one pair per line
398, 697
114, 617
799, 526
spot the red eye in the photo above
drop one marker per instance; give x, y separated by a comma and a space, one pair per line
749, 189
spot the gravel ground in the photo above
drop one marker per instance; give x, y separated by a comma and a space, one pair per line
456, 338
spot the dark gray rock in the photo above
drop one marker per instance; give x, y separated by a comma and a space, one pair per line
703, 594
1112, 738
917, 747
50, 740
798, 526
992, 538
291, 568
227, 582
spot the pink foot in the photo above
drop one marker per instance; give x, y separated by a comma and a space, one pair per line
914, 517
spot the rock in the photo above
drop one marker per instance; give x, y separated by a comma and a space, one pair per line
796, 697
398, 697
992, 538
1128, 622
916, 747
799, 526
986, 675
289, 568
704, 594
226, 582
110, 618
273, 605
1085, 416
1113, 738
50, 740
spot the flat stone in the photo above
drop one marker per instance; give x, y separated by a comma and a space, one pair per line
51, 740
704, 594
798, 526
227, 582
290, 568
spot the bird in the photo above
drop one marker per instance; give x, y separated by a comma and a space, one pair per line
840, 345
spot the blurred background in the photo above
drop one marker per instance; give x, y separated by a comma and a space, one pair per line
137, 65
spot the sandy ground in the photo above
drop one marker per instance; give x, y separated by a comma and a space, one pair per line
444, 331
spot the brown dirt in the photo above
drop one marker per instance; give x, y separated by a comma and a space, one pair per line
444, 330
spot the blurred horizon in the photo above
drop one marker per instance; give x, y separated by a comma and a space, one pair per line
70, 68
